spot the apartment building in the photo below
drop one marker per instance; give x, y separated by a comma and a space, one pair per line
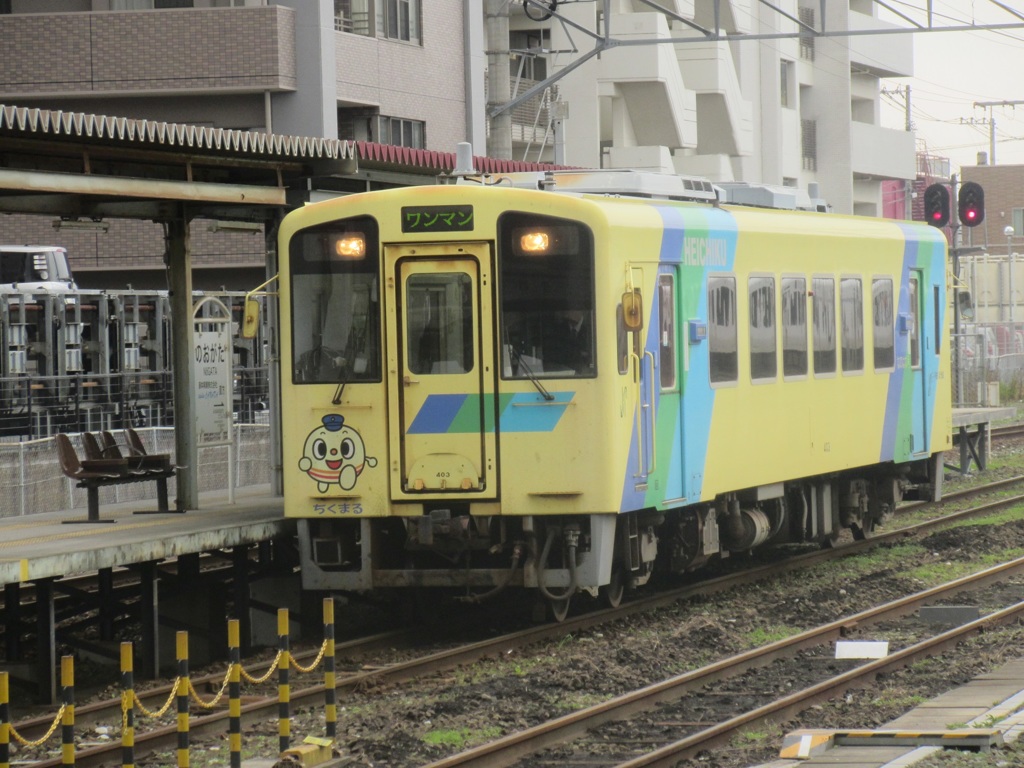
777, 110
386, 71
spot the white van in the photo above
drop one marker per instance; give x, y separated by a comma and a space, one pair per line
38, 268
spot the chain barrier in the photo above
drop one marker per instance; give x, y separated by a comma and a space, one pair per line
183, 691
137, 702
216, 699
260, 680
314, 665
39, 742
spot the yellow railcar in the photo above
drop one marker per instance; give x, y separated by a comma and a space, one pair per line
537, 381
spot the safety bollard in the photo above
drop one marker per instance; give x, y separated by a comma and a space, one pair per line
67, 725
330, 694
5, 722
127, 707
182, 655
284, 719
235, 695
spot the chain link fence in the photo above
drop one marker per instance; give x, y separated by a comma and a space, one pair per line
33, 482
988, 365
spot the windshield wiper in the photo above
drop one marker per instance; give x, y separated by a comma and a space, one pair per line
521, 365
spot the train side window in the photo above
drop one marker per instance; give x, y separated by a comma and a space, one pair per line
794, 326
763, 346
823, 313
723, 359
851, 295
915, 323
667, 330
883, 324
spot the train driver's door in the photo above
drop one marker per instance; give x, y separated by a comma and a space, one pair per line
441, 372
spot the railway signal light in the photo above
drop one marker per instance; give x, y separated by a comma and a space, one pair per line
936, 205
971, 204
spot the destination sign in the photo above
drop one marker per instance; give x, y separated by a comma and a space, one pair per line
437, 218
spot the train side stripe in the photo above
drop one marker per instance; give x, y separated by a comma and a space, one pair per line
460, 413
437, 414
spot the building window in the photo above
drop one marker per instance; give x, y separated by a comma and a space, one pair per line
360, 125
723, 358
529, 53
1018, 222
761, 292
399, 19
391, 19
824, 313
809, 144
353, 16
794, 326
787, 83
806, 16
851, 296
399, 132
148, 5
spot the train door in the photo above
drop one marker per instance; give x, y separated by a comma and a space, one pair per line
441, 371
920, 361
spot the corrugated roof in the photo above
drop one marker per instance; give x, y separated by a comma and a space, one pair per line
57, 123
442, 161
195, 138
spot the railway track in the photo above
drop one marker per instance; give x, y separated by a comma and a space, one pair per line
260, 708
511, 750
1007, 432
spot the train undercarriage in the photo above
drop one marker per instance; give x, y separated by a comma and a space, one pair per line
479, 557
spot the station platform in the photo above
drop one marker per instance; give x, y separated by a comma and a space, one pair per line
987, 709
43, 546
42, 553
973, 429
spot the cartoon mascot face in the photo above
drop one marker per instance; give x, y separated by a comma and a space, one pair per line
334, 453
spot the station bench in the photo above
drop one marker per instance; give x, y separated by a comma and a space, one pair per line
106, 466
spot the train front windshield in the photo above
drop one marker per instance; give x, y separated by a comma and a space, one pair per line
335, 296
546, 288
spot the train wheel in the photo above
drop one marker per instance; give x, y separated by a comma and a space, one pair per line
559, 608
863, 530
612, 592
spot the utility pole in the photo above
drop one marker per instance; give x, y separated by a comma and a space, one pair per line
992, 122
499, 86
991, 134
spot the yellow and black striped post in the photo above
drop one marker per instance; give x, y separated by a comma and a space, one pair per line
330, 694
182, 698
127, 707
5, 722
234, 695
284, 696
67, 723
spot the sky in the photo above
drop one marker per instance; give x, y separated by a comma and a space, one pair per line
953, 71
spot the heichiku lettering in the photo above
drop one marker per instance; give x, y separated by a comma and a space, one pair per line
705, 252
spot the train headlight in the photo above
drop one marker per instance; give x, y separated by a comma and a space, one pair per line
534, 242
351, 246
